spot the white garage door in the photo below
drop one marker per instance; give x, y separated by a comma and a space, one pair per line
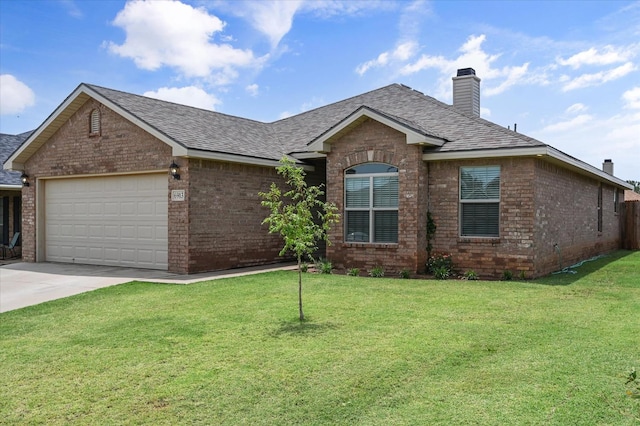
115, 220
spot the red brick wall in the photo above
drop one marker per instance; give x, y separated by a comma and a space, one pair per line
489, 257
541, 205
567, 215
121, 147
372, 141
225, 216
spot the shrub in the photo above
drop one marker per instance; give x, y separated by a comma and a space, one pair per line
405, 274
441, 272
304, 266
507, 275
377, 272
471, 275
324, 266
523, 275
439, 262
354, 272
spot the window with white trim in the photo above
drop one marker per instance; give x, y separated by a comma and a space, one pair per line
94, 122
480, 201
371, 203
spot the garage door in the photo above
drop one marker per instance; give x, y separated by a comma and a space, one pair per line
115, 220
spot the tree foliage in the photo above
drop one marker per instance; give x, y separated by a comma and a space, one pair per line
292, 216
636, 185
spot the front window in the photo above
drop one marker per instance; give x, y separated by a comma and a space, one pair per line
480, 201
371, 203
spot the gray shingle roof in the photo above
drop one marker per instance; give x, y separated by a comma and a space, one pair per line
200, 129
462, 132
8, 144
206, 130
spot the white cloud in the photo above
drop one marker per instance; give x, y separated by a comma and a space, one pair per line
272, 18
252, 89
576, 108
173, 34
16, 96
190, 95
512, 76
587, 80
592, 139
471, 54
573, 123
607, 56
632, 98
72, 8
401, 53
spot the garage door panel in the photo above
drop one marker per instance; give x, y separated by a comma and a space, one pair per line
118, 220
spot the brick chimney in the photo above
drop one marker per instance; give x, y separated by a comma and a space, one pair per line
466, 91
607, 167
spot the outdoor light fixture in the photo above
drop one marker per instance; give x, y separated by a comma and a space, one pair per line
174, 169
25, 179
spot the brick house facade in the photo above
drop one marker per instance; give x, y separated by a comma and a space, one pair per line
549, 209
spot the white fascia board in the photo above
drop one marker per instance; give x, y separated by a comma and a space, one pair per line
233, 158
321, 144
10, 187
574, 162
538, 151
308, 155
11, 163
485, 153
177, 148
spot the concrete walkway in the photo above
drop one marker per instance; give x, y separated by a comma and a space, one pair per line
26, 284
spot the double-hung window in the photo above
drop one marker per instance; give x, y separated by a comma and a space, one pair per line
480, 201
371, 203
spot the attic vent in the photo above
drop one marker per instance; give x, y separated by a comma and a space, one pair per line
94, 125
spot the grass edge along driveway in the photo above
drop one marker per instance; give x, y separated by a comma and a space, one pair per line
373, 352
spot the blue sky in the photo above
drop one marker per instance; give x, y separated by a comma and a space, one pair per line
568, 73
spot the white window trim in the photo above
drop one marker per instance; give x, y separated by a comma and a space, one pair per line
478, 201
371, 209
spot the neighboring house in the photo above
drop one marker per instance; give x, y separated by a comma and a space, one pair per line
10, 189
101, 189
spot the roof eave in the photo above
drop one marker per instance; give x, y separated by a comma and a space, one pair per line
66, 109
323, 142
7, 187
241, 159
538, 151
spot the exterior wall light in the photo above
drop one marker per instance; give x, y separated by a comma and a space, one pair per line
174, 169
25, 179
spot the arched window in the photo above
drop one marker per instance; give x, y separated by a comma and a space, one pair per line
94, 122
371, 203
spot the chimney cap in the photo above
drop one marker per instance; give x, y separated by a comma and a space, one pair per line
608, 160
466, 71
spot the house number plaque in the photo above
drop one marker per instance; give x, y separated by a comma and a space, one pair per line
177, 195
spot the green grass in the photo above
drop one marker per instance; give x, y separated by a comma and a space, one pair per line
372, 352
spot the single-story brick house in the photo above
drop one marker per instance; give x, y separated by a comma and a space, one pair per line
101, 189
10, 191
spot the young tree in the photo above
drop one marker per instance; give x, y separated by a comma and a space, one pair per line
292, 216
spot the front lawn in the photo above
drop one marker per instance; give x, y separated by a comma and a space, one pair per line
372, 352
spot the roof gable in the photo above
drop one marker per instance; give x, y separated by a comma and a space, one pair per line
414, 134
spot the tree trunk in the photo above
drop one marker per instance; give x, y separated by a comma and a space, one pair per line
300, 289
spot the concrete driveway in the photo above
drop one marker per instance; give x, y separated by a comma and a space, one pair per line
26, 284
